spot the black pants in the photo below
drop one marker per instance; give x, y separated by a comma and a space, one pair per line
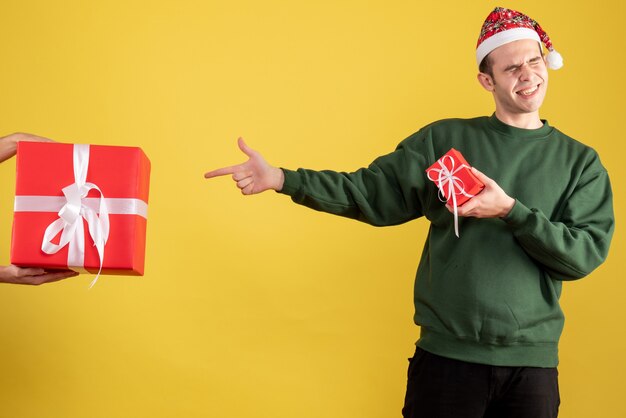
440, 387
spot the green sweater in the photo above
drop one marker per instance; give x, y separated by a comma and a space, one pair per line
492, 295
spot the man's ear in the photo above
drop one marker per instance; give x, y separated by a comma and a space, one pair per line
486, 81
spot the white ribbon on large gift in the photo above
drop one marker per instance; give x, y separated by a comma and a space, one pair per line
449, 185
76, 206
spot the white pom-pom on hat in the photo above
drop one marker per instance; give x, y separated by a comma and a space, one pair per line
554, 60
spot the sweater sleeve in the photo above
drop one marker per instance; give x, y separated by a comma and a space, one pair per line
390, 191
579, 242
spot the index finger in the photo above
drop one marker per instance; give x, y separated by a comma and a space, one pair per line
221, 172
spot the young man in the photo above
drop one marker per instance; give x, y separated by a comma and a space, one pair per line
14, 274
487, 303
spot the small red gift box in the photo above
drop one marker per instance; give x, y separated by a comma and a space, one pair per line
454, 178
81, 207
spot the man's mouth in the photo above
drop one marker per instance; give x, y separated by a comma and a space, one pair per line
528, 92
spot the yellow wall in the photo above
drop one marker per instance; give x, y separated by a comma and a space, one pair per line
252, 306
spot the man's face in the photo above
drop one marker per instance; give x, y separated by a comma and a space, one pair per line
520, 77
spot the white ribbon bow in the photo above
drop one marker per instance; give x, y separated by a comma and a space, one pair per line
71, 215
446, 179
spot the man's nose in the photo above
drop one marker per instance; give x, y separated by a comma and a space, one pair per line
525, 73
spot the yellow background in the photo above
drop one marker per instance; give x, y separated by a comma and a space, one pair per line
253, 306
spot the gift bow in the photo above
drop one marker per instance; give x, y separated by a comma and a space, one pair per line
71, 215
446, 179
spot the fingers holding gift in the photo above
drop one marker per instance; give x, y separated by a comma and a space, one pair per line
49, 277
491, 202
32, 276
482, 177
472, 208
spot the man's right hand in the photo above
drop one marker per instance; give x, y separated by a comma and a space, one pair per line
253, 176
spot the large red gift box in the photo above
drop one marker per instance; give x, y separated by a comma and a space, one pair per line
454, 178
80, 206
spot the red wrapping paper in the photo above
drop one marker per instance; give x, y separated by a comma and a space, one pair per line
44, 169
453, 167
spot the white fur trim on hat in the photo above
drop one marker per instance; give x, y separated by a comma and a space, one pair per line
502, 38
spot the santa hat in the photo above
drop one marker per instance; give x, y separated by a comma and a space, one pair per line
505, 25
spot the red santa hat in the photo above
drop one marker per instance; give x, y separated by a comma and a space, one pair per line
505, 25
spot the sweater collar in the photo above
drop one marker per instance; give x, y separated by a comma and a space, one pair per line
502, 127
